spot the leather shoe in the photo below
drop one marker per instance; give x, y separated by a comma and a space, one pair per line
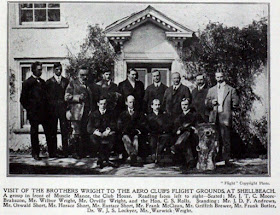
228, 164
112, 164
36, 157
100, 163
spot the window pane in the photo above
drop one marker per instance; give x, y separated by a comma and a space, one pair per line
40, 5
54, 15
26, 16
53, 5
26, 73
49, 72
26, 5
40, 15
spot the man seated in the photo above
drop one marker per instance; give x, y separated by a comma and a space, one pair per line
131, 124
101, 127
160, 129
184, 147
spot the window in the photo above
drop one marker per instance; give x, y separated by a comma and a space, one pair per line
36, 13
25, 68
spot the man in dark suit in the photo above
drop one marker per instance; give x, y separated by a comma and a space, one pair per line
154, 91
160, 129
221, 101
173, 96
34, 99
131, 86
109, 90
102, 128
184, 147
198, 98
132, 125
56, 87
79, 97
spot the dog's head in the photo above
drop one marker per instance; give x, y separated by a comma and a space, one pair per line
208, 145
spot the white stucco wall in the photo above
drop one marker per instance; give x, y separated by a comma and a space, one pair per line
48, 45
149, 39
148, 43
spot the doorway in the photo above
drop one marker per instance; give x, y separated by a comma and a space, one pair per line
145, 72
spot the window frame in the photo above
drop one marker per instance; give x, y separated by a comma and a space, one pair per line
33, 14
39, 25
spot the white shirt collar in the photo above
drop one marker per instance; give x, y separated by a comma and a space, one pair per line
200, 87
130, 110
57, 78
176, 86
221, 84
157, 84
185, 113
102, 111
132, 83
35, 76
82, 83
156, 113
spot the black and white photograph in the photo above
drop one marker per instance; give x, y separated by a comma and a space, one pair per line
122, 89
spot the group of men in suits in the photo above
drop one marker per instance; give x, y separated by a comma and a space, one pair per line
102, 117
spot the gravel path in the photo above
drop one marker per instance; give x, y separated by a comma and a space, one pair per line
25, 164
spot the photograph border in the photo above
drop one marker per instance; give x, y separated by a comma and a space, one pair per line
268, 174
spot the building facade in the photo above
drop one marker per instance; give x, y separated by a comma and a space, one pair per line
50, 32
148, 40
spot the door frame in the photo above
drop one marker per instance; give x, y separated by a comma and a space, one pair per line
146, 75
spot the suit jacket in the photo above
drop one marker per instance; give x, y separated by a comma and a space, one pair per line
125, 89
101, 122
152, 93
183, 122
230, 102
172, 99
55, 93
77, 107
111, 92
159, 124
95, 92
128, 124
34, 98
198, 102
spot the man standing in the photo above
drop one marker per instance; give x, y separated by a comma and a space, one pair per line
102, 128
173, 96
154, 91
34, 99
79, 98
221, 100
131, 86
56, 87
109, 90
198, 98
132, 125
